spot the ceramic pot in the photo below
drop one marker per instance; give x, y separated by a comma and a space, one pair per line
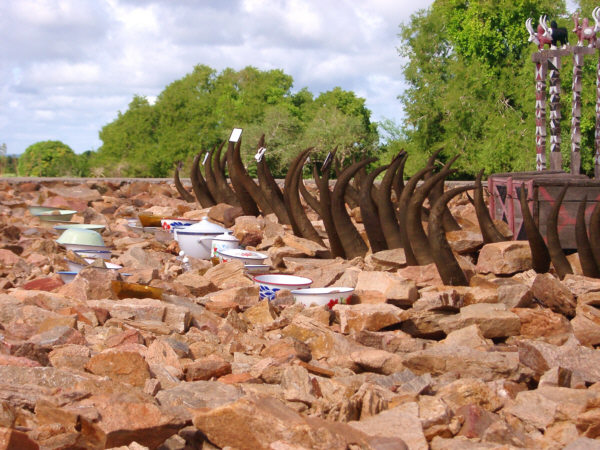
329, 296
269, 284
246, 256
195, 240
225, 241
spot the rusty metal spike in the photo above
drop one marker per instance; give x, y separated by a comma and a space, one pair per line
385, 207
292, 195
271, 191
559, 260
211, 182
236, 170
179, 186
488, 230
199, 184
368, 211
335, 244
540, 255
414, 227
584, 250
448, 267
349, 236
227, 192
594, 226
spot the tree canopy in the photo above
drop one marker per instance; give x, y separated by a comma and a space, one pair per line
471, 83
48, 159
198, 111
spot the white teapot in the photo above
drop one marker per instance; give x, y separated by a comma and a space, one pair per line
224, 241
195, 240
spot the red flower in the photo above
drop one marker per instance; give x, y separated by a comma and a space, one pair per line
332, 302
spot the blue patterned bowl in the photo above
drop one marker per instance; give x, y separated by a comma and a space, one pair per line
269, 284
169, 224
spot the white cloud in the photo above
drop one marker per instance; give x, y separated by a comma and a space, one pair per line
69, 66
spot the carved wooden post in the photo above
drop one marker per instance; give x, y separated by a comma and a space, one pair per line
578, 60
597, 133
554, 93
541, 68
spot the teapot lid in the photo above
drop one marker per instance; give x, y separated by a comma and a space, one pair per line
227, 236
204, 226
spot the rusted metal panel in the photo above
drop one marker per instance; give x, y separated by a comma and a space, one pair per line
542, 189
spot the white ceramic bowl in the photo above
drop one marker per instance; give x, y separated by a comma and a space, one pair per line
168, 224
93, 249
76, 267
94, 253
238, 254
67, 276
80, 236
269, 284
323, 296
56, 215
80, 226
257, 268
37, 210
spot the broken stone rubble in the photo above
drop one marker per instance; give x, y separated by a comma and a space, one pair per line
510, 361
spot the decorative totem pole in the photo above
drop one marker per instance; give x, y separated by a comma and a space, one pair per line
548, 63
541, 68
554, 91
542, 37
597, 134
578, 59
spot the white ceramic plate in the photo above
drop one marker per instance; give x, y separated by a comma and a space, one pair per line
246, 256
257, 268
77, 226
269, 284
329, 296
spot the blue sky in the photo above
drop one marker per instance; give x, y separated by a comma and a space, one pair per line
69, 66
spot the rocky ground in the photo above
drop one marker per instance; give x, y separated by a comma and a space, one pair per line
508, 362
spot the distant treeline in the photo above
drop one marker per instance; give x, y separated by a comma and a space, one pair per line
470, 91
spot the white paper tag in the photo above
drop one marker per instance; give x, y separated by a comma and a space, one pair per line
205, 158
259, 154
235, 135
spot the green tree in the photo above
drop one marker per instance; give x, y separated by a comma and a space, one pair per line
3, 161
470, 83
129, 144
199, 110
47, 159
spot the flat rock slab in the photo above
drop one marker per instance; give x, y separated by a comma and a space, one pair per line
441, 359
181, 400
264, 423
504, 258
355, 318
493, 320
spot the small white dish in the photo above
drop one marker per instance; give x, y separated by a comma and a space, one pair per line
169, 224
94, 253
239, 254
67, 276
76, 267
80, 236
80, 226
37, 210
257, 268
87, 248
57, 215
329, 296
269, 284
